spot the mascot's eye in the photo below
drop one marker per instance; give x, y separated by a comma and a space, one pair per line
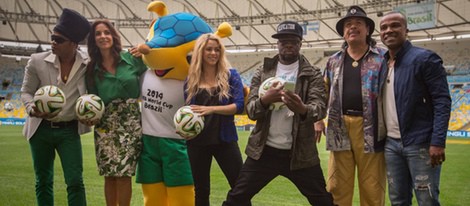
188, 58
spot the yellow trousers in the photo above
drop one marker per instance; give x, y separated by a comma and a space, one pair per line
158, 194
370, 168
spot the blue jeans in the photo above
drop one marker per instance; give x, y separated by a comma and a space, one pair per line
409, 168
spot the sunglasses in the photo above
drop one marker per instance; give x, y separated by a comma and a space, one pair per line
58, 39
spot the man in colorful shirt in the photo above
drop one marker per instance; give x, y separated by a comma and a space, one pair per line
352, 78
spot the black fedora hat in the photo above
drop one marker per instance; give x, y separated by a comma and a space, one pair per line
355, 11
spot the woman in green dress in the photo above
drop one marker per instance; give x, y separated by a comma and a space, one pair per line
113, 75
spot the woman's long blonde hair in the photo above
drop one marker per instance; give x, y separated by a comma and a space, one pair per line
196, 71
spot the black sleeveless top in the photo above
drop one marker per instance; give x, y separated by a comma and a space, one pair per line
210, 134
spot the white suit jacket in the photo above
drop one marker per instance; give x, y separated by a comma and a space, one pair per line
43, 69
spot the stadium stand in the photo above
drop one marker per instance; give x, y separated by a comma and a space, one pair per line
453, 52
11, 74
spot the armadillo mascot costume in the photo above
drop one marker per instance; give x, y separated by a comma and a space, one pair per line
164, 170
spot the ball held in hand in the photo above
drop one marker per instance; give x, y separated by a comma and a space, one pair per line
89, 107
188, 124
49, 99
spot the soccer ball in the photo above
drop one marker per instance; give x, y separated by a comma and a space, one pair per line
8, 107
49, 99
89, 107
266, 85
187, 123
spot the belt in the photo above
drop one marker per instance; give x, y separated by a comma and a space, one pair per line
55, 125
276, 151
352, 112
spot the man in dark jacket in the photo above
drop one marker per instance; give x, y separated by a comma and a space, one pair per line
282, 142
416, 106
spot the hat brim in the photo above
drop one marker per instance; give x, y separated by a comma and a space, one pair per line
340, 24
279, 35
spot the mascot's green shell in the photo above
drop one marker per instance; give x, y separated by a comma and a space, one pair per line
176, 29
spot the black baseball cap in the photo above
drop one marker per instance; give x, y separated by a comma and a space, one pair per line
288, 28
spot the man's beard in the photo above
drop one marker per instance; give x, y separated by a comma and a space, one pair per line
289, 57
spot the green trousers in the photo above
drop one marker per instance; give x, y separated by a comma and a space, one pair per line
44, 144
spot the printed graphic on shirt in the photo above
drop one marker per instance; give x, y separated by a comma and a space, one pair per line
161, 98
153, 100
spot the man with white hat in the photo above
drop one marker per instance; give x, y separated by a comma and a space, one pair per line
47, 134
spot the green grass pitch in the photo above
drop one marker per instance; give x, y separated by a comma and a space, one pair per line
17, 177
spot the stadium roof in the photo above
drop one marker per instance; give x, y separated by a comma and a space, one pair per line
253, 21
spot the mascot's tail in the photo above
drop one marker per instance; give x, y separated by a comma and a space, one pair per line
158, 7
224, 30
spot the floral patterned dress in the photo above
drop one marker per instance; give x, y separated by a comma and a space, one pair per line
118, 139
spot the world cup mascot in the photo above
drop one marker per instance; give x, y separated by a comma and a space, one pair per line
164, 170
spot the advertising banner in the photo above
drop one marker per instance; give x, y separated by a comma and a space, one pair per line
419, 15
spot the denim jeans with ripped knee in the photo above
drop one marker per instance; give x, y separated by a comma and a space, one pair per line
409, 169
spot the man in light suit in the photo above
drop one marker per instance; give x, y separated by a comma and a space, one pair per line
63, 67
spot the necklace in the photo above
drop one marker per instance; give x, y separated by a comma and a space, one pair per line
355, 62
65, 71
391, 66
65, 77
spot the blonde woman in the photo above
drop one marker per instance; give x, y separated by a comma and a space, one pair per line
215, 91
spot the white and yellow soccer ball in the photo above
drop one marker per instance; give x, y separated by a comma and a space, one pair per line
266, 85
49, 99
187, 123
89, 107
